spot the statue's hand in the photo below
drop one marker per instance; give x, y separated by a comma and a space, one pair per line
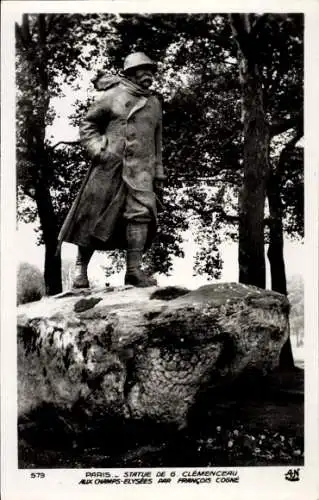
158, 186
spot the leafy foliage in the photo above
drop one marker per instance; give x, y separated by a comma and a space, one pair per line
296, 299
292, 189
30, 284
237, 446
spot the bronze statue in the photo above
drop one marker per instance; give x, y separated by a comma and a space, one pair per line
116, 206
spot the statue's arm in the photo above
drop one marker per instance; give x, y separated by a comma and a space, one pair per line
93, 126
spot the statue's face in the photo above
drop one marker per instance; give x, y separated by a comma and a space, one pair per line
143, 77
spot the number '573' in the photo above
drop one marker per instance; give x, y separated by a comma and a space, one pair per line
37, 475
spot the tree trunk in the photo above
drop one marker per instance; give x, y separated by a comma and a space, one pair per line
52, 270
286, 361
255, 164
35, 53
52, 262
276, 239
251, 254
276, 256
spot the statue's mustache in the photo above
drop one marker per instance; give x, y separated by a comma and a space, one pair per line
146, 78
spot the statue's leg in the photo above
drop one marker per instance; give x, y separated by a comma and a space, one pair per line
81, 265
136, 234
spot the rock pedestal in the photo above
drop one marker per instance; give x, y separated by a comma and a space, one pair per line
141, 354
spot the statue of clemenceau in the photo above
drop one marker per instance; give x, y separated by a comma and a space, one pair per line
116, 207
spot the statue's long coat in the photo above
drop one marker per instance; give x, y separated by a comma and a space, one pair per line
122, 134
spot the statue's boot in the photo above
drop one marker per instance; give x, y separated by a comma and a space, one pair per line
81, 267
136, 235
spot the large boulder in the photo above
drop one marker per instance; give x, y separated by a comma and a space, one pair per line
144, 353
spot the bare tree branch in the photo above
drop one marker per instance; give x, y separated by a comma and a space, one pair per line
19, 34
26, 29
285, 154
51, 19
233, 219
258, 24
239, 27
64, 142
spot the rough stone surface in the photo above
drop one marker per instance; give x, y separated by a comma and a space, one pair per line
118, 353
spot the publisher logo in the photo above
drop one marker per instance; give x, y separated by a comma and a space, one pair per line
292, 475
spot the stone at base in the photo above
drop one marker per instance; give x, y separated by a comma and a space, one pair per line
139, 279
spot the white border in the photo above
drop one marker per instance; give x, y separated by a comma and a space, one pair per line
261, 482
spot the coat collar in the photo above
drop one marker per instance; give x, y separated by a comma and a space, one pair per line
139, 105
106, 81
